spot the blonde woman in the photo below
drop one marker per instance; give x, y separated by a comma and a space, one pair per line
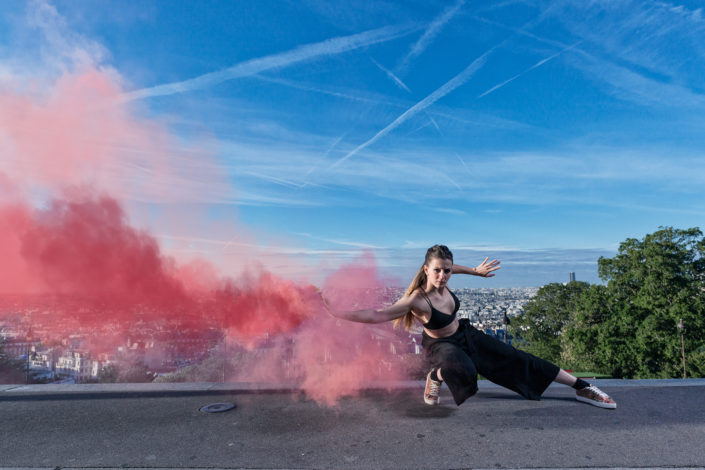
456, 350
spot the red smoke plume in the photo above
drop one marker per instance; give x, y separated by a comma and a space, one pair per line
82, 247
78, 148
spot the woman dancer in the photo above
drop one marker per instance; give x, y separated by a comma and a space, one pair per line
456, 350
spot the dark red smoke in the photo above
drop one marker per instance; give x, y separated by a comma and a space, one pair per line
83, 247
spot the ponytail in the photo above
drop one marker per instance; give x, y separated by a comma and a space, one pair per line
436, 251
407, 321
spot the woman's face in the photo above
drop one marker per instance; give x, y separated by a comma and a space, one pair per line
438, 272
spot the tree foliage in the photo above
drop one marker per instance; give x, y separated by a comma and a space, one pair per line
125, 373
628, 326
109, 373
136, 373
539, 330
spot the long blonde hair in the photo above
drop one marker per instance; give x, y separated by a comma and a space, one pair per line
436, 251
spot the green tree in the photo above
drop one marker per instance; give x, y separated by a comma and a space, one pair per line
545, 317
591, 342
628, 327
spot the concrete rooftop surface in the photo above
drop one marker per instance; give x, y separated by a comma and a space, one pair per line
657, 424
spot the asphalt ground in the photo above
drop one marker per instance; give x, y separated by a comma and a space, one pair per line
657, 424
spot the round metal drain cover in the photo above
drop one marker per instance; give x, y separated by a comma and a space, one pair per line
217, 407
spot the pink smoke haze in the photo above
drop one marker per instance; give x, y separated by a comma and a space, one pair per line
356, 285
79, 133
71, 133
85, 155
333, 357
354, 354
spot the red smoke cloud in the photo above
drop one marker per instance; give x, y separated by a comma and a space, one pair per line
83, 245
81, 150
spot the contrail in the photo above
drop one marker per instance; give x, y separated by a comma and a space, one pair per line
536, 65
325, 155
446, 88
433, 29
465, 165
391, 75
402, 85
435, 124
520, 31
305, 87
250, 67
317, 163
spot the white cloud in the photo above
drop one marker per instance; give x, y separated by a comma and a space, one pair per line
64, 47
562, 176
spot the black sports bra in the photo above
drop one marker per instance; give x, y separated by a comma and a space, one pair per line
439, 319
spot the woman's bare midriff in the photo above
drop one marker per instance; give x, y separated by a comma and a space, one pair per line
445, 331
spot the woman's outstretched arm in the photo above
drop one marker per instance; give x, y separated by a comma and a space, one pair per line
483, 269
400, 308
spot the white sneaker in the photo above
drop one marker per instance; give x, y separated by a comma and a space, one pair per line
432, 394
596, 397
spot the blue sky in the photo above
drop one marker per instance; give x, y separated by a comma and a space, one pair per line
542, 133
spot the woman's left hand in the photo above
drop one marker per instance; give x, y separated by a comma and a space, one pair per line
485, 269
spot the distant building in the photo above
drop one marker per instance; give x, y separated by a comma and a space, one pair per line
19, 347
77, 365
572, 276
43, 362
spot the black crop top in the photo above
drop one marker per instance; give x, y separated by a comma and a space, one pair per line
439, 319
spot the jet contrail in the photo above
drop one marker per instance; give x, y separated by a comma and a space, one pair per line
536, 65
323, 91
391, 75
403, 86
250, 67
446, 88
433, 29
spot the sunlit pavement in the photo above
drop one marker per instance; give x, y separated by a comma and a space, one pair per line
657, 424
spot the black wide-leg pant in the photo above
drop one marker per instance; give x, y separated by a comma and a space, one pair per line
469, 352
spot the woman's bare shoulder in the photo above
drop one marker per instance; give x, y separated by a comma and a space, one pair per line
416, 299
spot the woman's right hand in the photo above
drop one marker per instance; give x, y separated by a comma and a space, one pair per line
324, 301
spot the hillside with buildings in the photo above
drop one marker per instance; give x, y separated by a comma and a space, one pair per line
83, 354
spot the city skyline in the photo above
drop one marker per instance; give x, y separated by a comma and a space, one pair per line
56, 350
301, 135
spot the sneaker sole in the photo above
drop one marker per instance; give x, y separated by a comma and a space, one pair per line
609, 406
429, 401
